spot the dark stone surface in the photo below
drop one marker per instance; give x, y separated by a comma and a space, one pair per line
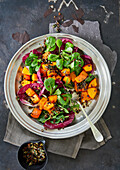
21, 15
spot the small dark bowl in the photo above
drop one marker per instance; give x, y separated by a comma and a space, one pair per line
22, 160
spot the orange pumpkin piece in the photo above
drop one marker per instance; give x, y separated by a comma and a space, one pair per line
30, 92
92, 92
53, 63
58, 77
77, 88
85, 97
48, 106
42, 102
34, 77
43, 72
72, 76
50, 110
24, 82
45, 55
88, 67
51, 73
53, 77
35, 113
66, 79
93, 83
35, 98
33, 82
45, 66
65, 72
82, 76
25, 71
26, 77
53, 98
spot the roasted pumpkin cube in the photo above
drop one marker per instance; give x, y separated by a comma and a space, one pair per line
93, 83
26, 77
88, 67
25, 71
35, 98
58, 77
30, 92
48, 105
53, 77
50, 110
43, 72
33, 82
51, 73
79, 88
82, 76
36, 113
42, 102
34, 77
45, 55
45, 66
53, 63
72, 76
53, 98
76, 86
66, 79
65, 72
92, 92
85, 97
24, 82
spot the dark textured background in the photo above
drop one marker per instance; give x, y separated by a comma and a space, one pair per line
21, 15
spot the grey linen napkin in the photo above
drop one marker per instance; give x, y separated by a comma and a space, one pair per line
16, 134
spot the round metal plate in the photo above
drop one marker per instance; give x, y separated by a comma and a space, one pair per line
95, 110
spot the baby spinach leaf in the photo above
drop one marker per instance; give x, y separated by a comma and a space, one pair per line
57, 92
59, 64
65, 110
62, 102
28, 61
33, 55
75, 55
70, 86
67, 95
75, 66
81, 61
34, 63
53, 89
59, 44
66, 62
53, 57
50, 43
77, 70
69, 47
72, 65
42, 118
52, 48
62, 90
31, 70
37, 67
49, 83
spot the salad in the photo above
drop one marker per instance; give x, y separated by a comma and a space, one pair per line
50, 77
